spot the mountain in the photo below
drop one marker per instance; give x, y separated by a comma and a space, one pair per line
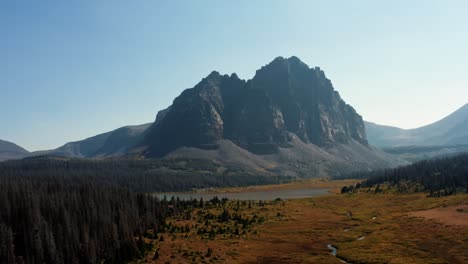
114, 143
417, 153
288, 118
10, 150
451, 130
285, 96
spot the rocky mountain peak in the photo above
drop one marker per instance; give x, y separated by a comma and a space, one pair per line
213, 76
310, 106
284, 65
284, 97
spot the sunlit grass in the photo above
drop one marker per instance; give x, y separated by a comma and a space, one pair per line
297, 231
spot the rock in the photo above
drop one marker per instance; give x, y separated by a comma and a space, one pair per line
285, 97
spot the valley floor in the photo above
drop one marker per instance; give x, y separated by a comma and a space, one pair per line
313, 183
365, 228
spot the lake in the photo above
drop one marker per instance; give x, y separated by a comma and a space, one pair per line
251, 195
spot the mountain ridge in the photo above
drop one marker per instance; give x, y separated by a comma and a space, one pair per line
450, 130
9, 150
287, 120
284, 96
109, 144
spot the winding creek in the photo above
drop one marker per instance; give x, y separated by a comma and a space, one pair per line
259, 195
334, 250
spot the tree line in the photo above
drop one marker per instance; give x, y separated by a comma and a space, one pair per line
59, 210
50, 219
439, 177
139, 175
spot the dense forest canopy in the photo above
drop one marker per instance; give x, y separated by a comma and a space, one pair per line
58, 210
58, 220
138, 175
439, 177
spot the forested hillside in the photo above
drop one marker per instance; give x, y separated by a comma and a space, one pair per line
137, 175
73, 220
56, 210
439, 177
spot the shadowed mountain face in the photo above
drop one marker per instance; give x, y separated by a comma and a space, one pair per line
10, 150
287, 120
196, 116
451, 130
285, 98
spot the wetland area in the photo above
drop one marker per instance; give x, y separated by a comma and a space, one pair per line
326, 228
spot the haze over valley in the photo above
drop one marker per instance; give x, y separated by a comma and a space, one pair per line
233, 132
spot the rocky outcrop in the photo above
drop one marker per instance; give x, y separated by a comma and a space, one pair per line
307, 103
196, 117
285, 97
161, 114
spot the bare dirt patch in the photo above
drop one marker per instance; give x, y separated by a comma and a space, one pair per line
450, 215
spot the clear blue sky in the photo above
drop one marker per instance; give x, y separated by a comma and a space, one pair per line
73, 69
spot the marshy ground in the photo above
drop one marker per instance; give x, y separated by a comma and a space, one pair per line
364, 227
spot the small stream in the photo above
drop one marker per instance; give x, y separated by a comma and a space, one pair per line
334, 250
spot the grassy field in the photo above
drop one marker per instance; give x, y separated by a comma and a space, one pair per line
299, 184
365, 228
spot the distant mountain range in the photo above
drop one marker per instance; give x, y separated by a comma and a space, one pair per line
118, 142
286, 120
449, 131
10, 150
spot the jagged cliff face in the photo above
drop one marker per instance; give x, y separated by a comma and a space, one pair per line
284, 97
307, 104
196, 117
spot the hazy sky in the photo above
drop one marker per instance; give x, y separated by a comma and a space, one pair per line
73, 69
